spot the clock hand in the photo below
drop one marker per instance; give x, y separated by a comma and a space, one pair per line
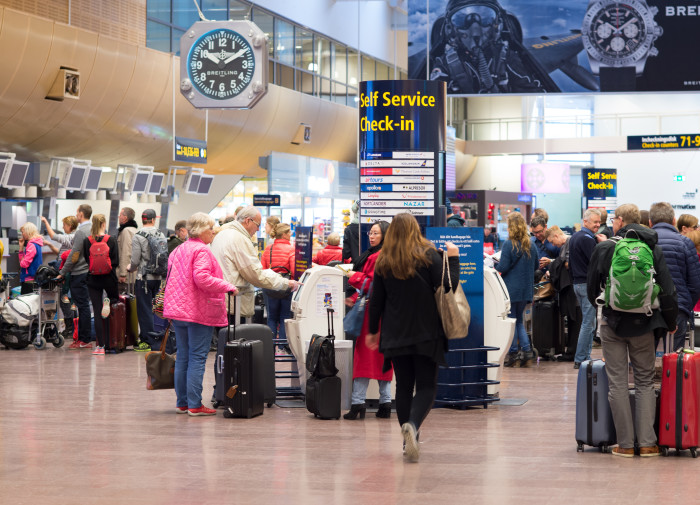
212, 57
625, 25
235, 55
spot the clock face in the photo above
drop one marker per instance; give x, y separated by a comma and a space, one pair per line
221, 64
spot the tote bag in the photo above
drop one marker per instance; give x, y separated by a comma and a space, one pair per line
453, 307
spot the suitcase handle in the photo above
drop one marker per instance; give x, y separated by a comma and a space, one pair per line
329, 315
228, 326
219, 364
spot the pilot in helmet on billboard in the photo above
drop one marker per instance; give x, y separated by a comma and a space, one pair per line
477, 48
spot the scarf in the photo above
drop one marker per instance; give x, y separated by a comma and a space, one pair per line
129, 224
366, 254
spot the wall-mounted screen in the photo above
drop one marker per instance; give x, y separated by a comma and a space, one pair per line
193, 183
17, 174
544, 178
74, 181
140, 182
156, 184
205, 183
92, 181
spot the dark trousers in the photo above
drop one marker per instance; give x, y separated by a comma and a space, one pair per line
145, 291
67, 316
414, 371
102, 325
81, 298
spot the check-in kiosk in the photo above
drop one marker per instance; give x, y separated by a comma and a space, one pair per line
498, 327
321, 288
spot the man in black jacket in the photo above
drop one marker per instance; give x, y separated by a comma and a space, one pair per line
630, 334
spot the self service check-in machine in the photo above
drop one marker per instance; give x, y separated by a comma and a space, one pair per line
321, 288
498, 327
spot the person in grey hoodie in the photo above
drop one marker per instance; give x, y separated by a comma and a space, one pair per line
77, 267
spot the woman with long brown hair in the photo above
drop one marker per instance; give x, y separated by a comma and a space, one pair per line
406, 275
102, 276
517, 267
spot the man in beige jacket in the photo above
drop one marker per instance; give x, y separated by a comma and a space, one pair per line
237, 255
127, 230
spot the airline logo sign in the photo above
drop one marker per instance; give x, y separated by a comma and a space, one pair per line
394, 182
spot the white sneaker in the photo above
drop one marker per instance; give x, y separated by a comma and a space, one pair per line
105, 308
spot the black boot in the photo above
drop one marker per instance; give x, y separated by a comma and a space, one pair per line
511, 359
384, 411
527, 359
357, 408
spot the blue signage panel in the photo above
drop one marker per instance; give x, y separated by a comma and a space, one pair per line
303, 242
266, 200
470, 242
190, 150
599, 183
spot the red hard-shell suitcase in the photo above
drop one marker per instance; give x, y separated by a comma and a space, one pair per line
679, 422
117, 327
132, 322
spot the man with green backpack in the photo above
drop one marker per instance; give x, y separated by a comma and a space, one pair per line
629, 278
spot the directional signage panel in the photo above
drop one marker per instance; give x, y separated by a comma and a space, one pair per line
394, 179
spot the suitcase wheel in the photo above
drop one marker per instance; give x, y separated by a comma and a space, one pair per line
694, 452
604, 448
228, 414
216, 404
664, 451
580, 447
270, 404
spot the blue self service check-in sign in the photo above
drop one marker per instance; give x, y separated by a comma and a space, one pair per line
190, 150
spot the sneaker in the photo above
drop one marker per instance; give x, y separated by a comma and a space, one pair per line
202, 411
99, 351
142, 347
649, 452
79, 344
626, 453
181, 410
412, 450
65, 299
105, 308
577, 366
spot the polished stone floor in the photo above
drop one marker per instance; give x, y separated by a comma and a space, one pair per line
80, 429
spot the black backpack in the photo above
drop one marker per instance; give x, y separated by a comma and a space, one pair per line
158, 261
44, 274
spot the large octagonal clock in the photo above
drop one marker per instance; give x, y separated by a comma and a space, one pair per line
223, 64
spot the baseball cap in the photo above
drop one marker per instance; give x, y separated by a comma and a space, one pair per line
149, 214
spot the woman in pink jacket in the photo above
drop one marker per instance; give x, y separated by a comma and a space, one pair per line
195, 300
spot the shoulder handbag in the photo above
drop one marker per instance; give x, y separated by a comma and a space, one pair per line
160, 367
159, 299
452, 306
353, 320
276, 293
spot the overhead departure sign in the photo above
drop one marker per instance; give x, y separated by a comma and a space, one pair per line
190, 150
654, 142
266, 200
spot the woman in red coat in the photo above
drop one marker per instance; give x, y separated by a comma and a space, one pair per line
368, 363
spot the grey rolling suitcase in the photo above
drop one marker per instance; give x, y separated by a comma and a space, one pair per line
247, 332
594, 422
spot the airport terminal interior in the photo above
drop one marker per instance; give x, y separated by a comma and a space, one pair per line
101, 104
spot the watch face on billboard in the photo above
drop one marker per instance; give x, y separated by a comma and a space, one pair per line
538, 46
544, 178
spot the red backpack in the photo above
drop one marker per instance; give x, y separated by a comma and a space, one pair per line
100, 264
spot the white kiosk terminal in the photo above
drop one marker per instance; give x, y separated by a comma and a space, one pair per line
321, 288
498, 327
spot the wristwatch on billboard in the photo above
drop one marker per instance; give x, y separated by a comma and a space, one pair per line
619, 37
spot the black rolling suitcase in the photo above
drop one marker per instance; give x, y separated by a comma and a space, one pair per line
247, 332
546, 328
243, 379
323, 388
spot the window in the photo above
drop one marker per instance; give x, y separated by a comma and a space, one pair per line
158, 36
158, 9
304, 50
284, 42
216, 10
323, 56
267, 24
184, 14
367, 69
177, 34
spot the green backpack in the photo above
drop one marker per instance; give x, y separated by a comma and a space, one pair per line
630, 286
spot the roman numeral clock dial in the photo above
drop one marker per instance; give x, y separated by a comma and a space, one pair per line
223, 64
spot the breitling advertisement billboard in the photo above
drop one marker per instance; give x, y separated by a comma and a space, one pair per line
568, 46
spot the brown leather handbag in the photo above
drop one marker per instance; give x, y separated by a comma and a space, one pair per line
160, 367
453, 307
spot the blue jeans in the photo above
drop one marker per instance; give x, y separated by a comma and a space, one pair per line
81, 298
278, 309
520, 338
588, 324
145, 291
359, 390
681, 332
193, 341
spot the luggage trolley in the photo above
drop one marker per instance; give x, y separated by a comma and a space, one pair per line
49, 293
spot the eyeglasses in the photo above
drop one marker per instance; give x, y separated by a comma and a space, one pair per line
256, 223
370, 233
